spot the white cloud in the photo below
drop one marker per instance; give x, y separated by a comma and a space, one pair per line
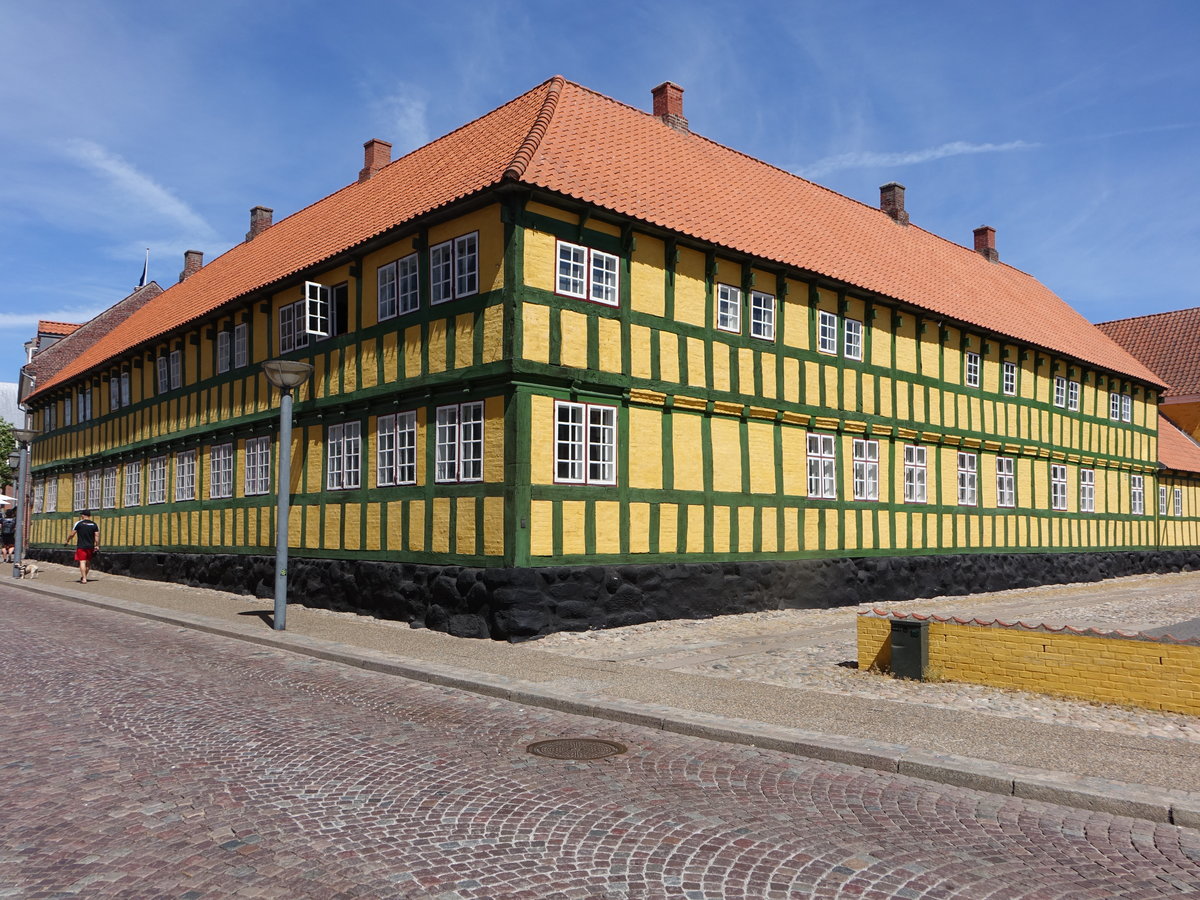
403, 114
867, 159
30, 319
143, 193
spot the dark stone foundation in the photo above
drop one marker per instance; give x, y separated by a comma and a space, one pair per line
518, 604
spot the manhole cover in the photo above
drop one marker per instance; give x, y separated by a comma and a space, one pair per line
576, 748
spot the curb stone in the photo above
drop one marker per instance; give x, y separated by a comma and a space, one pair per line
1180, 808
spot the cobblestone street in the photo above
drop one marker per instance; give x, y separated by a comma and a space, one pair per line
145, 760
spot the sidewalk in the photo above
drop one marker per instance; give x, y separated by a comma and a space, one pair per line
1139, 772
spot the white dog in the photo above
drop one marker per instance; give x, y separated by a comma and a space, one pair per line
28, 570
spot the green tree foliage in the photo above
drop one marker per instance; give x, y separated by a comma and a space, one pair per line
8, 444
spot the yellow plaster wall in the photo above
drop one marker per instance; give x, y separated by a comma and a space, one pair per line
1150, 674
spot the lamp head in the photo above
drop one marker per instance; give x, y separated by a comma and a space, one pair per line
286, 374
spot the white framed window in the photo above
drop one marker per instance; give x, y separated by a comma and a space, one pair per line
343, 456
133, 483
441, 272
316, 319
1073, 396
385, 451
968, 479
224, 351
114, 392
605, 278
466, 265
1126, 408
292, 334
729, 308
176, 369
52, 411
39, 495
762, 315
80, 485
1179, 501
1006, 482
399, 287
1162, 500
866, 469
220, 471
585, 443
915, 474
1087, 490
459, 442
258, 466
1009, 378
822, 467
157, 491
52, 494
1114, 406
1137, 495
972, 376
386, 290
1060, 391
241, 345
95, 488
185, 475
83, 405
408, 284
396, 449
1058, 487
164, 383
588, 274
827, 332
108, 499
454, 268
852, 338
572, 270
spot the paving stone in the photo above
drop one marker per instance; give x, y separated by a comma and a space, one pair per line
318, 780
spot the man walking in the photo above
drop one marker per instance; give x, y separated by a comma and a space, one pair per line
87, 542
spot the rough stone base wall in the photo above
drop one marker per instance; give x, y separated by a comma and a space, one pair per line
518, 604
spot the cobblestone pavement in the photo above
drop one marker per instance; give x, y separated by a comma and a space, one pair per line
144, 760
803, 648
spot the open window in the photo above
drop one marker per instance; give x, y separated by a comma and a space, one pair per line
317, 320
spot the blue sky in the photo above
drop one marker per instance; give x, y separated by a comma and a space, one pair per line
1072, 128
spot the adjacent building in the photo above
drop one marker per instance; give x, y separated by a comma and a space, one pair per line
575, 365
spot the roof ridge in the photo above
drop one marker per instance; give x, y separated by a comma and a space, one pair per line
1165, 312
537, 130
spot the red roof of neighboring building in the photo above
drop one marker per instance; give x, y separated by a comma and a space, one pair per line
1168, 343
59, 328
565, 138
1176, 450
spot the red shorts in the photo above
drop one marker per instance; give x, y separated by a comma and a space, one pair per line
81, 555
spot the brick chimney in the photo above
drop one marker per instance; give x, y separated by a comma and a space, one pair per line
192, 261
891, 201
260, 221
376, 155
668, 105
985, 243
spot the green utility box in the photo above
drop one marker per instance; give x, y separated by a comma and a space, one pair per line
910, 649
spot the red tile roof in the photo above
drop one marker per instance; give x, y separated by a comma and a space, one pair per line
60, 328
1176, 450
1168, 343
565, 138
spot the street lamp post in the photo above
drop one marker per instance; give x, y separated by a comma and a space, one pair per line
23, 437
287, 375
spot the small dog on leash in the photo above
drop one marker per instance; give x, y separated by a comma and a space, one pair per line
28, 570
